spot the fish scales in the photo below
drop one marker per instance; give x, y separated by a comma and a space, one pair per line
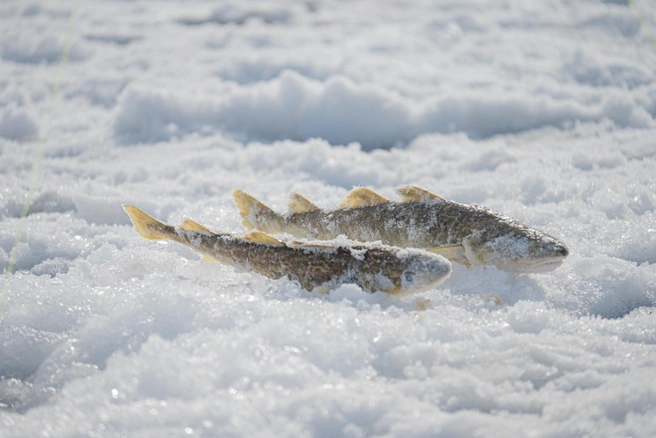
412, 224
466, 234
275, 262
308, 267
372, 267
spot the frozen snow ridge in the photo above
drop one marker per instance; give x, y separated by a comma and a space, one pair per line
341, 111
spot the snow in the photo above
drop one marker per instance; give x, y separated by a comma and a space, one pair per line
16, 124
340, 111
544, 111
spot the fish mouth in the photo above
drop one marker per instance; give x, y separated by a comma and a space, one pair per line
538, 266
428, 274
433, 284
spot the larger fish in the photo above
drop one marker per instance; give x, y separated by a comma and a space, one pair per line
373, 267
465, 234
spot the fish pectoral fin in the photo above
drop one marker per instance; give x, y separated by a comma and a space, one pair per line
300, 204
189, 225
322, 289
455, 253
263, 238
147, 226
410, 193
362, 197
491, 298
209, 259
423, 304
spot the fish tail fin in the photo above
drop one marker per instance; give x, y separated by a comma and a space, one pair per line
252, 211
147, 226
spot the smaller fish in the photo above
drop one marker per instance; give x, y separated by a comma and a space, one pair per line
321, 267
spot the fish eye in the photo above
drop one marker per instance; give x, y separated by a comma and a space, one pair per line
409, 276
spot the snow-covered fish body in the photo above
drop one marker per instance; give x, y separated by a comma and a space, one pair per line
373, 267
470, 235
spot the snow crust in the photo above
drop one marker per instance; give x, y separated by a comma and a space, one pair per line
543, 111
340, 111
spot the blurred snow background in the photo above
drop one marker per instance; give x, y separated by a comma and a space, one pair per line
542, 110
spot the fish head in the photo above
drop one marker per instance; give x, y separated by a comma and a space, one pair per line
519, 249
414, 271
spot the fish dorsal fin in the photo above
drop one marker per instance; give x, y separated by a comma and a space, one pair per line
262, 238
189, 225
361, 197
455, 253
249, 208
413, 193
300, 204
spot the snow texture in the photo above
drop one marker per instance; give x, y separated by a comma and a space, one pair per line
544, 111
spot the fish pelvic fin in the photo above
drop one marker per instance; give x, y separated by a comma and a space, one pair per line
249, 208
362, 197
410, 193
262, 238
300, 204
189, 225
147, 226
455, 253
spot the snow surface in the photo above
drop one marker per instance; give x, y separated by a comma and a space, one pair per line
545, 111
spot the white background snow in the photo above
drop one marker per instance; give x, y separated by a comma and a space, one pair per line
545, 111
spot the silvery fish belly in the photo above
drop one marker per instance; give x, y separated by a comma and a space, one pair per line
470, 235
316, 266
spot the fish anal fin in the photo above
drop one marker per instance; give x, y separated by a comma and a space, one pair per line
249, 208
455, 253
410, 193
147, 226
189, 225
300, 204
262, 238
362, 197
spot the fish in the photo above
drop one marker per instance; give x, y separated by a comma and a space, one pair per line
316, 266
465, 234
